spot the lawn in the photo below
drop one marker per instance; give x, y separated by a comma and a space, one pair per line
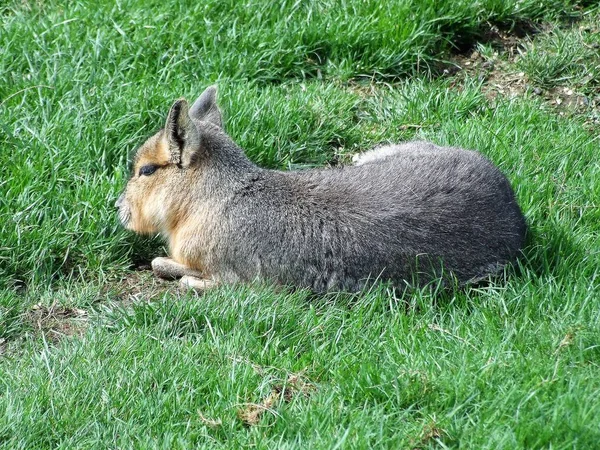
96, 353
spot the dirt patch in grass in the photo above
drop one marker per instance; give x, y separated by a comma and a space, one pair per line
505, 42
296, 385
495, 69
56, 321
496, 75
495, 61
136, 286
500, 77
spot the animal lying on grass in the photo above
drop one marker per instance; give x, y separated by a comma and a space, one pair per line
402, 213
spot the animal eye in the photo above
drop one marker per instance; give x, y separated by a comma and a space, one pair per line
148, 170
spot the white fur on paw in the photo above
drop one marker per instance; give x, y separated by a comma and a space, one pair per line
197, 284
159, 262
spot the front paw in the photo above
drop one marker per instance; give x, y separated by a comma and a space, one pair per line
197, 284
166, 268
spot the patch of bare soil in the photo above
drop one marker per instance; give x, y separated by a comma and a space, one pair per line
500, 77
295, 385
56, 322
497, 76
496, 72
504, 42
136, 286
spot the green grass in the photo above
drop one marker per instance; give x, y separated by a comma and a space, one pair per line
565, 56
302, 84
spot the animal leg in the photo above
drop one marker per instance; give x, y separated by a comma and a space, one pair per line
197, 284
168, 269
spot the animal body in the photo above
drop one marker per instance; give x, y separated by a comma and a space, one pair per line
402, 213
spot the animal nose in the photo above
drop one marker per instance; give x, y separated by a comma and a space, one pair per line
119, 200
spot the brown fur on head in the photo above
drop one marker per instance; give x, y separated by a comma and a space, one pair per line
153, 199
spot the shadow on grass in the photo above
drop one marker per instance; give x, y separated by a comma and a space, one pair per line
551, 252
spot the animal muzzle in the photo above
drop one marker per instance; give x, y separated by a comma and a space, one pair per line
124, 212
120, 200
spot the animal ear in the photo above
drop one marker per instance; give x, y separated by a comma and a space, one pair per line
181, 134
205, 107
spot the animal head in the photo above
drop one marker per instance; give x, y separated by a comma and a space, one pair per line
151, 200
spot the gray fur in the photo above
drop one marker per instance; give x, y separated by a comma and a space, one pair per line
416, 212
205, 107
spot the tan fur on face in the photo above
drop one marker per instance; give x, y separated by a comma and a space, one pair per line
154, 151
145, 195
